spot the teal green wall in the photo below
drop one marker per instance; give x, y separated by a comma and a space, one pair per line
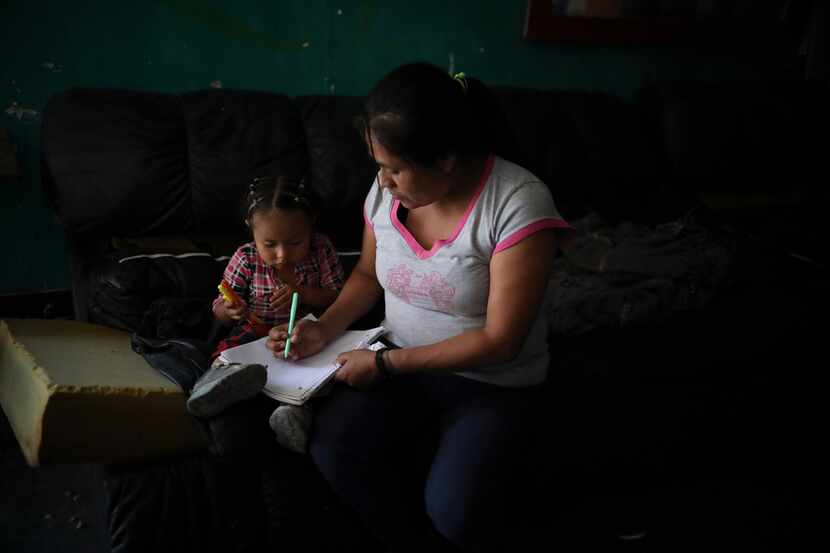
289, 46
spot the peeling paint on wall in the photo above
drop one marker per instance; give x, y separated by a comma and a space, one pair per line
22, 113
368, 11
216, 84
230, 26
52, 66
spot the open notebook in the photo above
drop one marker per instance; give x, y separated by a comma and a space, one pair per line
296, 381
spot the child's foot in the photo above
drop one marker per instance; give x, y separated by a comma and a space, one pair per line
291, 424
223, 385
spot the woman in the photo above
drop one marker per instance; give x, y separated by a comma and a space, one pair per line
459, 242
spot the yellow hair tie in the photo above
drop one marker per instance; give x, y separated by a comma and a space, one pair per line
462, 80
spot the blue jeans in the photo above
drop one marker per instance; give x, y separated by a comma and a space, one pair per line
367, 444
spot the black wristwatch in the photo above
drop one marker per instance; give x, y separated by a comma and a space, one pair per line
380, 363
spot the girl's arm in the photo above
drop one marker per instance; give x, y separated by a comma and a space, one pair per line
518, 278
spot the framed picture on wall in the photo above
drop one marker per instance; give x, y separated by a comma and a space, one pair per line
632, 22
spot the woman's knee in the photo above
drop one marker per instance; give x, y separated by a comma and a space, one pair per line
348, 429
470, 527
332, 437
447, 516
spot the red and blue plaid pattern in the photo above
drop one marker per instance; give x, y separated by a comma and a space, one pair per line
254, 281
240, 334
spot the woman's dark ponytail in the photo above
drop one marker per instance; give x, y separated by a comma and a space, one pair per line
491, 121
422, 114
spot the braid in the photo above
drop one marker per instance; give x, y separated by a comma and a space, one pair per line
267, 193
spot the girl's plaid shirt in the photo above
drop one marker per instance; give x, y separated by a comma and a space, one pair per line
254, 281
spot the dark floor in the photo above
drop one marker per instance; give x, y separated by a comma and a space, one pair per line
756, 504
46, 509
61, 509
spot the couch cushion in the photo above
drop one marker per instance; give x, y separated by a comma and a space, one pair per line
341, 170
592, 152
76, 392
104, 149
123, 290
745, 138
232, 137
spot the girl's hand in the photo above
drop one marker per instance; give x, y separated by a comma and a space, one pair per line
357, 368
285, 272
235, 311
280, 300
308, 338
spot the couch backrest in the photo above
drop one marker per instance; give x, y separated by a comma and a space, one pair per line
591, 149
145, 169
741, 141
126, 163
115, 162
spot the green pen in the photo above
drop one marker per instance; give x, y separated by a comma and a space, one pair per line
294, 300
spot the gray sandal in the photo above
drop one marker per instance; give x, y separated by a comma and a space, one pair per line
292, 425
223, 385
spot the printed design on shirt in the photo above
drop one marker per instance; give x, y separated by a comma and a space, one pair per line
425, 289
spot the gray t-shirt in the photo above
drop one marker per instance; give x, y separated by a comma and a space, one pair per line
432, 295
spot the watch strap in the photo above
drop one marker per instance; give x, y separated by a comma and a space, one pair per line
380, 363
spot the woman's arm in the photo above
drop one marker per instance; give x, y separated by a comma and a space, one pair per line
360, 293
316, 297
518, 278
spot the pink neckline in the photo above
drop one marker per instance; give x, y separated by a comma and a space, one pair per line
415, 245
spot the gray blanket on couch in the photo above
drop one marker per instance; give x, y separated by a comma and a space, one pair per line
629, 273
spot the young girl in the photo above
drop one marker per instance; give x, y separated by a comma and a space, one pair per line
285, 256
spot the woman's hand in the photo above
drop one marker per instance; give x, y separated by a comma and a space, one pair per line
357, 368
308, 338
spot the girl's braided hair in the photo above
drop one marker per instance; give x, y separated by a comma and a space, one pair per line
270, 192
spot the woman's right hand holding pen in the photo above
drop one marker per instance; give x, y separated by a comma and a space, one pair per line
308, 338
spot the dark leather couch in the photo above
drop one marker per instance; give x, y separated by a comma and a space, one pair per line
709, 390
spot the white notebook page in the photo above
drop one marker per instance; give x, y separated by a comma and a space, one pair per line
295, 379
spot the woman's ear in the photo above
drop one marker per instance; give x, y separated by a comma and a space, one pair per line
447, 164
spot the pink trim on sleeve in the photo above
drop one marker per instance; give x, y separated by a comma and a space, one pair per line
526, 231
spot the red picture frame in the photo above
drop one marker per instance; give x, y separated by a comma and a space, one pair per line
543, 23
